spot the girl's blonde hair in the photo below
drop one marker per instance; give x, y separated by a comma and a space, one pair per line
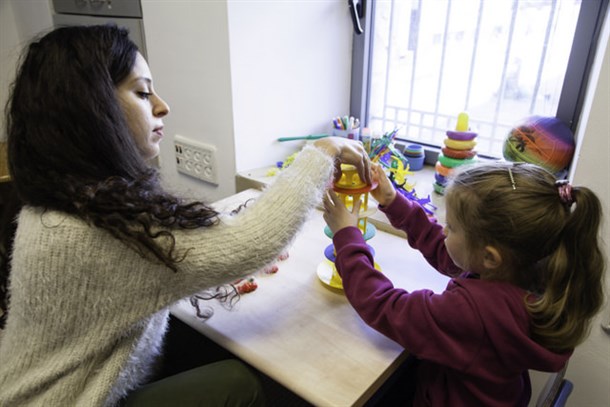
549, 242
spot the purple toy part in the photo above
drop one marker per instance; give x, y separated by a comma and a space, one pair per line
440, 179
329, 252
425, 203
461, 135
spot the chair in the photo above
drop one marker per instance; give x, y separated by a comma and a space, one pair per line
556, 390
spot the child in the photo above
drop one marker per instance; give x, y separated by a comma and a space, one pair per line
527, 273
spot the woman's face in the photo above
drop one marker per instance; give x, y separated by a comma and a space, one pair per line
143, 108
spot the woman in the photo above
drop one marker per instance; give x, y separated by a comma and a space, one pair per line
101, 250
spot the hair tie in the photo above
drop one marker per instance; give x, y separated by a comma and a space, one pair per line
565, 192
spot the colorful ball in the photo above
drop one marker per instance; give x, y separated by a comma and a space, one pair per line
545, 141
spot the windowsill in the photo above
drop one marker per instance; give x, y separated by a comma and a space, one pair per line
421, 180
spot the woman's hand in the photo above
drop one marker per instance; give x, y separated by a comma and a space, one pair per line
336, 214
385, 192
349, 152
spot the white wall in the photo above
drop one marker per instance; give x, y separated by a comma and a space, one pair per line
291, 70
188, 52
239, 74
589, 367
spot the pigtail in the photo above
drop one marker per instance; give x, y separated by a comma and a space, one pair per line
573, 293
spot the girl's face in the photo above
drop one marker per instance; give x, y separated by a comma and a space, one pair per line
143, 108
484, 260
463, 255
455, 241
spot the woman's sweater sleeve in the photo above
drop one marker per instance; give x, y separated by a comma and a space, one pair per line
244, 243
423, 233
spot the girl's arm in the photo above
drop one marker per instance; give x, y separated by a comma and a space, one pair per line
442, 328
423, 233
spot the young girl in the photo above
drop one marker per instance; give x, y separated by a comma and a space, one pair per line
527, 279
102, 250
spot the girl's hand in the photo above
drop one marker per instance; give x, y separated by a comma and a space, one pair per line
336, 214
385, 192
349, 152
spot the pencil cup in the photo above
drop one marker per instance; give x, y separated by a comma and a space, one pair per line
353, 134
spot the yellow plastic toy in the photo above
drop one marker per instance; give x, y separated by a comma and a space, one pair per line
462, 122
399, 174
350, 189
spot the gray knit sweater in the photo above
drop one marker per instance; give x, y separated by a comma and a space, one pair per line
88, 314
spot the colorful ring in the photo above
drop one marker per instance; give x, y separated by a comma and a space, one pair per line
440, 179
354, 191
453, 162
460, 145
439, 189
414, 150
368, 234
459, 154
413, 155
461, 135
441, 169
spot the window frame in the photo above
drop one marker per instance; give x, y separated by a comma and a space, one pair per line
574, 88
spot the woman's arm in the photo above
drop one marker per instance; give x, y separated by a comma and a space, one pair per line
423, 233
246, 242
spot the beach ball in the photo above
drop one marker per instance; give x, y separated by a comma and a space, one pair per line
545, 141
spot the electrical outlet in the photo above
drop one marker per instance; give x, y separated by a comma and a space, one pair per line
196, 159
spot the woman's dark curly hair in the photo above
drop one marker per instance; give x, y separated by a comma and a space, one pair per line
69, 147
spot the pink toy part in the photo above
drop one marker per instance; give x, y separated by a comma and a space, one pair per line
272, 269
245, 286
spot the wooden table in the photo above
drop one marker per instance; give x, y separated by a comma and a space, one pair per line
305, 335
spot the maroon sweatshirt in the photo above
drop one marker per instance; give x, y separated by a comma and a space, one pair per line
472, 340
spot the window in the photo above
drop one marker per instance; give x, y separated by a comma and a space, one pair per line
418, 64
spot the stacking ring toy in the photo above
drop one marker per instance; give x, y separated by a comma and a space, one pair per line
439, 189
453, 162
441, 169
459, 154
461, 135
460, 145
440, 179
415, 150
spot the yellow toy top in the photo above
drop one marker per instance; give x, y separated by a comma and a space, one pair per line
349, 178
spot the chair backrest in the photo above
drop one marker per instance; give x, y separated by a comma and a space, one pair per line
564, 393
556, 390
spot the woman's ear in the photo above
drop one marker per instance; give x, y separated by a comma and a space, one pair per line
492, 259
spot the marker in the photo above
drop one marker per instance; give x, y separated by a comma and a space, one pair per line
309, 137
